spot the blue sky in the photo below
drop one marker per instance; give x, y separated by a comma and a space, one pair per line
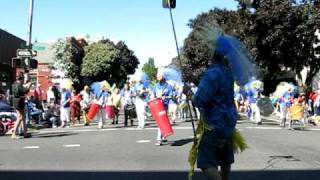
143, 24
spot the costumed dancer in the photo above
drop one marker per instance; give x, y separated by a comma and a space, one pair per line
216, 136
254, 89
75, 107
141, 95
128, 105
116, 96
65, 114
285, 103
100, 98
164, 91
85, 103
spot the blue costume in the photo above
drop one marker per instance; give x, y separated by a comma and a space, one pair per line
163, 89
215, 99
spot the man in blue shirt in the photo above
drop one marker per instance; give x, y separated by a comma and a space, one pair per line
215, 99
164, 91
285, 103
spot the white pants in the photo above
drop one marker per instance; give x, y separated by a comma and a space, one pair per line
140, 109
65, 114
255, 113
100, 117
173, 111
159, 136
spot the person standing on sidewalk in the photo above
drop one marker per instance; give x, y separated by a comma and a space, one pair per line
19, 91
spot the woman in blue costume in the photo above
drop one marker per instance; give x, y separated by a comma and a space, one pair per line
215, 100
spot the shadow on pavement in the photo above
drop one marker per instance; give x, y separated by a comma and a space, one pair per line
53, 134
182, 142
156, 175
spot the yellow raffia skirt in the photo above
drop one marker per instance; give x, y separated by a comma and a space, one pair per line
239, 144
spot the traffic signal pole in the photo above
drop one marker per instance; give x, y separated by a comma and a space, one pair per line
180, 63
30, 23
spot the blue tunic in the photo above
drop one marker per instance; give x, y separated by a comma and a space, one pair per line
163, 89
215, 99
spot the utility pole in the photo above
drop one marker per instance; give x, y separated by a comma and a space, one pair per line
30, 24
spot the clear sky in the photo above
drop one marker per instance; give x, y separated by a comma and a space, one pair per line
143, 24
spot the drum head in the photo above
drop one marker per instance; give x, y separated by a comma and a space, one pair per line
265, 106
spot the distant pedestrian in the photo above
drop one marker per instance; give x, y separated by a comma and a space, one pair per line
19, 91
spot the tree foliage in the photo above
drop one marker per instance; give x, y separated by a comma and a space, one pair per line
68, 59
150, 69
279, 34
108, 61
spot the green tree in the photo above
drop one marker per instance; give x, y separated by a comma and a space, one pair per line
68, 59
108, 61
150, 69
196, 56
278, 33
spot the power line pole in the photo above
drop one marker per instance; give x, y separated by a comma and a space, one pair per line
29, 45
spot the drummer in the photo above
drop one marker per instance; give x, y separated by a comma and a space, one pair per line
164, 91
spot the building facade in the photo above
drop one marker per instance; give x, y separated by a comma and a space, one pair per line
8, 48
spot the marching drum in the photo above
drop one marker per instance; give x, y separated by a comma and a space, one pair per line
159, 113
265, 106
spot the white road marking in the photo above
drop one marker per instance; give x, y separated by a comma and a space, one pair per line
71, 145
31, 147
268, 128
155, 128
143, 141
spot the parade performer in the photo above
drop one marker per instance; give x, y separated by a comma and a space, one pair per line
141, 94
216, 136
65, 107
100, 97
75, 107
128, 104
285, 103
254, 89
85, 103
162, 90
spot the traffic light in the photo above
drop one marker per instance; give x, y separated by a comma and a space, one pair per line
24, 63
17, 63
169, 4
33, 64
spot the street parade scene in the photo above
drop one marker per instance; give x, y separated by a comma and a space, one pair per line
217, 90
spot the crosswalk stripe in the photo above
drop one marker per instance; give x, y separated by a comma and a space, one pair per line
72, 145
31, 147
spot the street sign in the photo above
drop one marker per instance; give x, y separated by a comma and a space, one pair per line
38, 47
24, 53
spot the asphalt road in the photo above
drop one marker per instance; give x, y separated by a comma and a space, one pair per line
129, 153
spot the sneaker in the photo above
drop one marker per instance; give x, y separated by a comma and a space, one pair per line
15, 137
28, 135
158, 143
